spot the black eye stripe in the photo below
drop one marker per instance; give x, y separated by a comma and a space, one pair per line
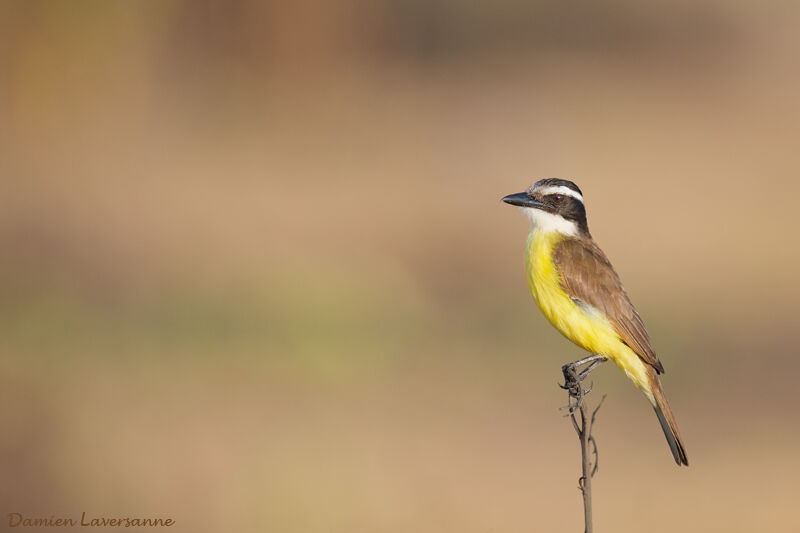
555, 197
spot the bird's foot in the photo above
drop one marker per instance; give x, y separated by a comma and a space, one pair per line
574, 377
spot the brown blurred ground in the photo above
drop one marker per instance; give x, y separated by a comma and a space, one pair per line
256, 275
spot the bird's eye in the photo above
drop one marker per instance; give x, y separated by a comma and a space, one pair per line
558, 197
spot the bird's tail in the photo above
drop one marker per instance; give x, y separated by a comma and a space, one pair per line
667, 420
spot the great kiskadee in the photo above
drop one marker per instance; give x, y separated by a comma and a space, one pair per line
579, 292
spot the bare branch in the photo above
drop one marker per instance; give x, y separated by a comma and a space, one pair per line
576, 393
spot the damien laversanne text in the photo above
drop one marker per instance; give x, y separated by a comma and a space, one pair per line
20, 520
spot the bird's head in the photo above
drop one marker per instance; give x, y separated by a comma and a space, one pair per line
553, 205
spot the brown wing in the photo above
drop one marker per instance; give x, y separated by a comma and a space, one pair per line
587, 275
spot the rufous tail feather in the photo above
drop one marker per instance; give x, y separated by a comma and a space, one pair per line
667, 420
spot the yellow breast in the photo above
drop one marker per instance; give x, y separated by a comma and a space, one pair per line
585, 326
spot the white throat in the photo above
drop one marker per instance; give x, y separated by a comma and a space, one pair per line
549, 222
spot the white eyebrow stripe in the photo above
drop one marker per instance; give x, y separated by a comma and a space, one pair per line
560, 189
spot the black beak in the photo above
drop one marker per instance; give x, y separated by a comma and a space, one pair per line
521, 199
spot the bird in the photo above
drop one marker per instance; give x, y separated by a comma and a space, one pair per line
581, 295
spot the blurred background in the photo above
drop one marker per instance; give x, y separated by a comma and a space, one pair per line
256, 274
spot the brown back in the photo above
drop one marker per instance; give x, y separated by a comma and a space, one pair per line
587, 275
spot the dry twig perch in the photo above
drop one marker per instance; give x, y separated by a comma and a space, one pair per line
573, 383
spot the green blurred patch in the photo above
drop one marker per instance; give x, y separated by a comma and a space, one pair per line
334, 327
